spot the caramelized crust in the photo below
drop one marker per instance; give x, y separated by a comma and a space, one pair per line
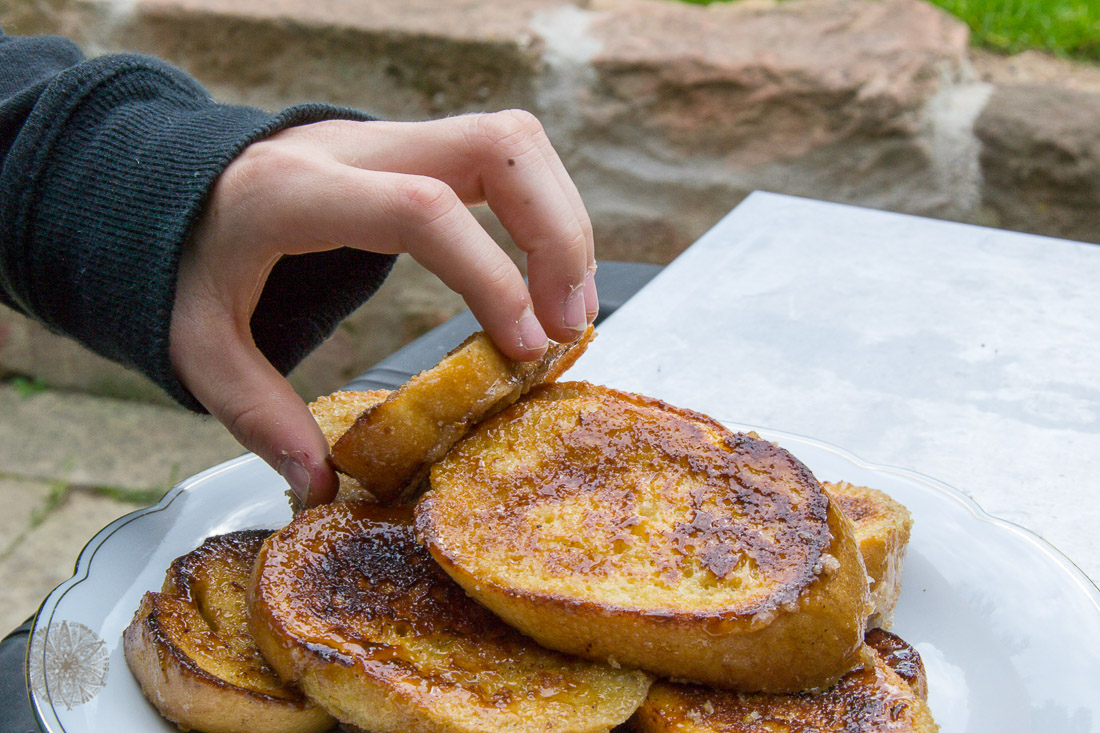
901, 657
882, 532
391, 445
335, 413
618, 527
190, 649
874, 698
349, 605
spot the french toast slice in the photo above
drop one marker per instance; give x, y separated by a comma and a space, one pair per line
875, 698
346, 603
882, 528
901, 657
390, 446
190, 649
335, 413
618, 527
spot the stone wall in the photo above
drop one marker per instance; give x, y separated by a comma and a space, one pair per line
666, 114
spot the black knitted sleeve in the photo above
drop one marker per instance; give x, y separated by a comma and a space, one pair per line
104, 168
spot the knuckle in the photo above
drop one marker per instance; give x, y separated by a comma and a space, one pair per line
513, 128
498, 276
272, 157
424, 199
576, 245
251, 176
585, 222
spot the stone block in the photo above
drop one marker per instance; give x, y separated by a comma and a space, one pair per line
669, 114
1040, 160
406, 60
29, 349
750, 85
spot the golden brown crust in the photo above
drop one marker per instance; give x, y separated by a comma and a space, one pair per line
349, 604
390, 446
615, 526
335, 413
872, 699
901, 657
882, 528
190, 649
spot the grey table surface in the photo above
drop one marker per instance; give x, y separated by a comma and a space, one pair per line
966, 354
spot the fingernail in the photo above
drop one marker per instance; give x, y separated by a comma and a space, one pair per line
575, 317
294, 472
591, 299
531, 335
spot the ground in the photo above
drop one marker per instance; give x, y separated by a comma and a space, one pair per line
1034, 67
69, 465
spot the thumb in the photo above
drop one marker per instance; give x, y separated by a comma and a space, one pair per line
239, 387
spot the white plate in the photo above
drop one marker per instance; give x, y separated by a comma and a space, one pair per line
1008, 628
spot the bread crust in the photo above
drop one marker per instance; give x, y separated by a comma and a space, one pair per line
874, 698
882, 528
391, 445
335, 414
901, 657
346, 603
190, 650
617, 527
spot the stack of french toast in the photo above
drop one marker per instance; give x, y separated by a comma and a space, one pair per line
510, 552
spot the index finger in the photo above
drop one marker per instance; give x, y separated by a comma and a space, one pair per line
506, 160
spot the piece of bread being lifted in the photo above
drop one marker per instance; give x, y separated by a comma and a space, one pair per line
390, 446
348, 605
882, 528
190, 648
886, 695
620, 528
335, 414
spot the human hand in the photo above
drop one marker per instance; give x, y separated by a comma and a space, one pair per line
386, 187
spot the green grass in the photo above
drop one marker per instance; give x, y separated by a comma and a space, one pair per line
28, 387
144, 497
54, 499
1067, 28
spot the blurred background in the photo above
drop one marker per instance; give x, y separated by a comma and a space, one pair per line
666, 113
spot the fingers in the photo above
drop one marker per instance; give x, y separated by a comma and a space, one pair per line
382, 187
542, 212
507, 160
393, 212
232, 379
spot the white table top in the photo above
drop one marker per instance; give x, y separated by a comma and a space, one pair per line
967, 354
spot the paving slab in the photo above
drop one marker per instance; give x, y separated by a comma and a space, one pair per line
96, 441
70, 464
45, 555
24, 502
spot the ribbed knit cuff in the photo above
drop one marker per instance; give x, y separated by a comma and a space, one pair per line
114, 164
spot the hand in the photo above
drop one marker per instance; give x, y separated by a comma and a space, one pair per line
385, 187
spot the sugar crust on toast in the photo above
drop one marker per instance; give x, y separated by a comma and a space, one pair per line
901, 657
882, 527
558, 514
190, 649
349, 605
876, 698
390, 446
335, 414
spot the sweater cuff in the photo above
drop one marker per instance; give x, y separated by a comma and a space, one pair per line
116, 161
